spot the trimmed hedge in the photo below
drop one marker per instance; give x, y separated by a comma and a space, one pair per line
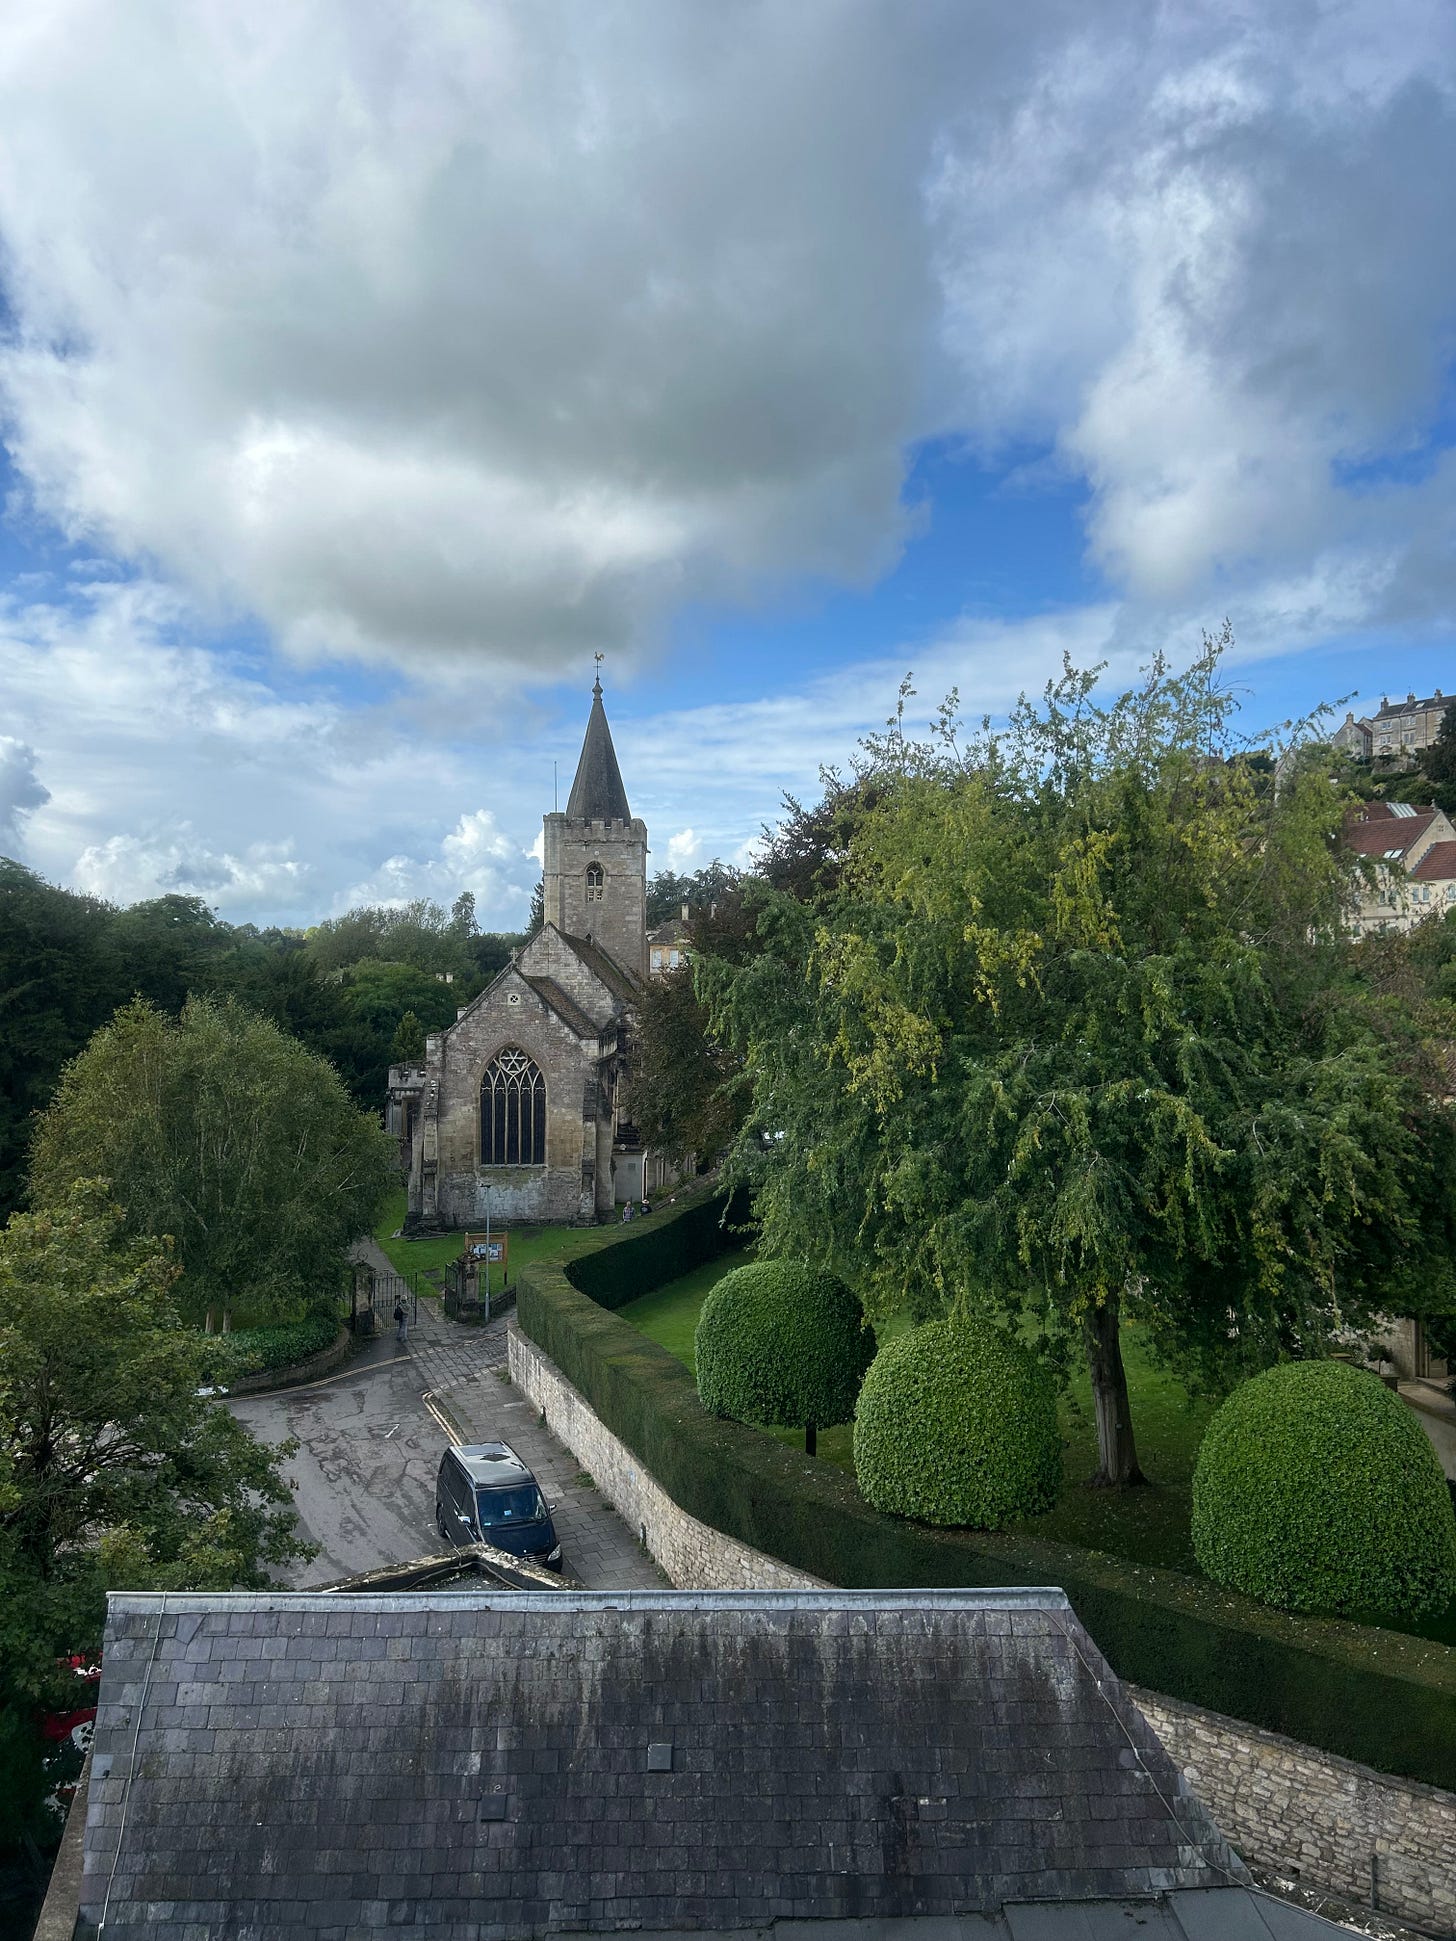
1313, 1679
1317, 1490
958, 1425
782, 1344
253, 1351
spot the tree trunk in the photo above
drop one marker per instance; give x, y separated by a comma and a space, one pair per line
1116, 1450
811, 1440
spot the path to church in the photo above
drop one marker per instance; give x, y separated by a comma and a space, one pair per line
369, 1447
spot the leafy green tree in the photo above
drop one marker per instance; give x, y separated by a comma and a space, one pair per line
408, 1045
59, 980
166, 948
1317, 1490
1074, 1033
116, 1470
687, 1095
667, 891
1439, 760
462, 915
781, 1344
218, 1129
957, 1424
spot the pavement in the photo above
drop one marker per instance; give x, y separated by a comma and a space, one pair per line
371, 1437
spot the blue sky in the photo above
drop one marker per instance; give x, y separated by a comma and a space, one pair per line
362, 375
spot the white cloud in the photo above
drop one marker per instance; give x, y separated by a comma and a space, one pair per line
21, 791
501, 332
474, 856
468, 329
683, 850
131, 868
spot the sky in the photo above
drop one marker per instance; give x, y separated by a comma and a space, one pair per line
366, 369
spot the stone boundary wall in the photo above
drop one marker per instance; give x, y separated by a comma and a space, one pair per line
695, 1556
1387, 1843
322, 1363
1286, 1807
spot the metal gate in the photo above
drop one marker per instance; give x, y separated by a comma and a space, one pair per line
376, 1295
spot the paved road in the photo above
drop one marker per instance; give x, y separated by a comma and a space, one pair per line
364, 1474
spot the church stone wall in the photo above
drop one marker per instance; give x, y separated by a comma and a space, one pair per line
619, 921
565, 1190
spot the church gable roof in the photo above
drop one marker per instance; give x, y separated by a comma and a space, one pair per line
565, 1007
618, 981
598, 793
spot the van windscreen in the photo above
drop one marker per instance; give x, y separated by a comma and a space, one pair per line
519, 1505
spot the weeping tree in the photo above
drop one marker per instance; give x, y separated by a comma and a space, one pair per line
1074, 1033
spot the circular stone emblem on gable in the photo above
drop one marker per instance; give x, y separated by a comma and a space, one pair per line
513, 997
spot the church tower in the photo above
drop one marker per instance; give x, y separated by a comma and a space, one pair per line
596, 855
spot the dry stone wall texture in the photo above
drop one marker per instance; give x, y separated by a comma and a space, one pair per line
1285, 1806
1384, 1842
695, 1556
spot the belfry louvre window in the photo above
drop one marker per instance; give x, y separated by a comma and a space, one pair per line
512, 1111
594, 882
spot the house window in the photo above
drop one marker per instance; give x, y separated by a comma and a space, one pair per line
512, 1111
595, 881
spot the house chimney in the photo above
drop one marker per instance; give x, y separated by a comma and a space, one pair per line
685, 913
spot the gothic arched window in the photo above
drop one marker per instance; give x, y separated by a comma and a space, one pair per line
512, 1111
595, 882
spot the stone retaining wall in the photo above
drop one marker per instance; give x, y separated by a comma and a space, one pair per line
1287, 1807
695, 1556
1384, 1842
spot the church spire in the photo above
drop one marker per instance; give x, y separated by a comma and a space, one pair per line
598, 794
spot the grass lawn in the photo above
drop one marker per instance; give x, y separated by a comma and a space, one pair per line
434, 1252
1148, 1525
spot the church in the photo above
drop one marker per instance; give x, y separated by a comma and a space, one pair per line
519, 1112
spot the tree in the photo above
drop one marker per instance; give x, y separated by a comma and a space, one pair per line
408, 1044
219, 1130
687, 1096
1439, 760
117, 1471
1073, 1034
778, 1343
667, 892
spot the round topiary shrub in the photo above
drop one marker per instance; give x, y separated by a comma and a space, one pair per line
1316, 1490
957, 1424
782, 1344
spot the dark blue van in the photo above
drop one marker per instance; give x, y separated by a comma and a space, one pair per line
484, 1493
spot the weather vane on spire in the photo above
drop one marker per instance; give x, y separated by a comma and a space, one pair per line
597, 685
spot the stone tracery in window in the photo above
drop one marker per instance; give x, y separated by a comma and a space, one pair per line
595, 882
512, 1111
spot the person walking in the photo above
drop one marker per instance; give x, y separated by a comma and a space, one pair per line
401, 1322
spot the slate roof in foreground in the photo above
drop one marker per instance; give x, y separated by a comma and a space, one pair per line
488, 1764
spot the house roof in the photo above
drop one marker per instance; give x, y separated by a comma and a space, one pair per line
1388, 829
598, 793
1438, 865
502, 1764
1410, 705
